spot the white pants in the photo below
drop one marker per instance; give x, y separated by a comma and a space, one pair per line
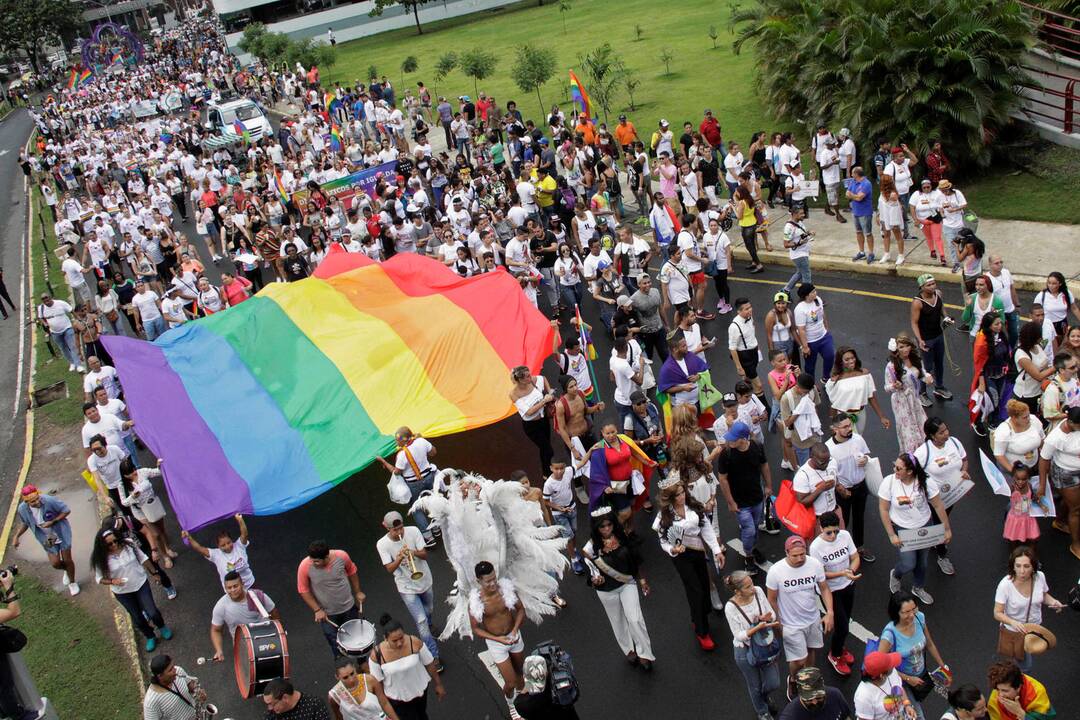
623, 610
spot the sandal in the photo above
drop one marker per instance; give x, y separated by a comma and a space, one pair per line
559, 602
167, 563
172, 553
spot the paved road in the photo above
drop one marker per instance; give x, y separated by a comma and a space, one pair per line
13, 133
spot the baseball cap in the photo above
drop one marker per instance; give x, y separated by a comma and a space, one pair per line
844, 132
738, 431
392, 519
923, 279
830, 141
793, 541
622, 117
543, 141
623, 301
602, 265
637, 397
896, 149
664, 123
878, 663
810, 684
781, 297
643, 276
805, 289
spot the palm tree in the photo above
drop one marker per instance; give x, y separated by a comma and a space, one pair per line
948, 70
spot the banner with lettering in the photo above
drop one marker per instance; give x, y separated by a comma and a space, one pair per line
347, 188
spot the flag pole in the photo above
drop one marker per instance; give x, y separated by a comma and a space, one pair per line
585, 349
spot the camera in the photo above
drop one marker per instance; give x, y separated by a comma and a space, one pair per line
9, 571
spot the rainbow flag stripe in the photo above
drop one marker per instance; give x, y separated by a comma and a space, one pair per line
85, 77
579, 96
263, 407
335, 138
280, 187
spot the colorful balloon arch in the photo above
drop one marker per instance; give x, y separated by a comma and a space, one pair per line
111, 45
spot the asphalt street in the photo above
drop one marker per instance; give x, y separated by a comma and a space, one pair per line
686, 683
13, 336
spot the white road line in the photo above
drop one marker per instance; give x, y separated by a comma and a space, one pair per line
855, 628
23, 281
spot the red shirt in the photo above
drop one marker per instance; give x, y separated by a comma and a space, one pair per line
210, 198
482, 107
710, 130
618, 462
236, 291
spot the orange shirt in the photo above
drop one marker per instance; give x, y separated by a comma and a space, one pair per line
625, 134
588, 133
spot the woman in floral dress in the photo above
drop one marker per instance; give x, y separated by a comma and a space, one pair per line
903, 375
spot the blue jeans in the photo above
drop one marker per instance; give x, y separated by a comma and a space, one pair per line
749, 519
417, 486
571, 294
421, 606
914, 562
801, 274
143, 610
154, 328
66, 342
934, 360
822, 348
129, 445
1012, 326
948, 235
760, 681
801, 455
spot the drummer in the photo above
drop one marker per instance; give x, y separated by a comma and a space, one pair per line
328, 583
404, 555
238, 606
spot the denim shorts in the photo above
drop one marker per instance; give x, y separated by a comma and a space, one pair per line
567, 522
864, 224
1063, 479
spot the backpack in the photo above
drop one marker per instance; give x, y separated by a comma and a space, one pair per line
564, 684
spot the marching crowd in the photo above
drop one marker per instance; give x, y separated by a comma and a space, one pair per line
548, 203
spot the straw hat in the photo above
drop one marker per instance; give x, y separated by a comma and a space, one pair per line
1038, 639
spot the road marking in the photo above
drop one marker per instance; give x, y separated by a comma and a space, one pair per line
25, 267
855, 628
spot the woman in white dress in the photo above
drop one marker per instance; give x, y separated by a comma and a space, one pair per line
851, 388
904, 376
891, 217
358, 695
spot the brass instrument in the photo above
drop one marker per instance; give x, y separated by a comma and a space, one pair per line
416, 574
203, 710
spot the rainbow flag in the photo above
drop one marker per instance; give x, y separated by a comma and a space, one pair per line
579, 96
280, 187
117, 58
73, 79
262, 407
84, 77
663, 404
241, 130
335, 138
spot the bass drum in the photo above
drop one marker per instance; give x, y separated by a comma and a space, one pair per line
356, 638
260, 654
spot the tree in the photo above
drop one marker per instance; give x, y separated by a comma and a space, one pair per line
372, 72
565, 6
602, 68
408, 65
532, 68
413, 5
28, 24
714, 35
630, 84
907, 72
444, 66
666, 56
478, 64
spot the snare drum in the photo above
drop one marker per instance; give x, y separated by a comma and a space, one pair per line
260, 654
356, 638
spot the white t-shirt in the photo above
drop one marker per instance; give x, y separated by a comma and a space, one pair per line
953, 216
146, 304
1019, 446
733, 165
687, 242
527, 193
835, 556
678, 285
236, 560
1016, 605
846, 456
716, 247
797, 591
109, 426
873, 702
1002, 287
105, 377
811, 317
1027, 386
909, 507
591, 262
73, 272
901, 174
558, 491
943, 464
1062, 449
126, 565
56, 315
389, 548
624, 379
806, 479
419, 448
108, 467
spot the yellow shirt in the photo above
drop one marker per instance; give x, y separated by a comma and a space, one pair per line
545, 192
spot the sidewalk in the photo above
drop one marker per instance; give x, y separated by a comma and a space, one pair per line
1030, 249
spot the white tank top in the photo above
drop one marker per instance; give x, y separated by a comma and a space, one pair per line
367, 709
781, 333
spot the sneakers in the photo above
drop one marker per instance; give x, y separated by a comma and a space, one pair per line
867, 557
885, 258
80, 368
770, 525
702, 315
71, 367
858, 256
723, 308
924, 597
956, 267
933, 254
430, 541
946, 566
759, 557
439, 667
925, 400
847, 657
705, 642
151, 644
170, 592
74, 588
578, 566
842, 668
942, 393
784, 464
67, 579
749, 566
894, 582
900, 260
870, 258
166, 633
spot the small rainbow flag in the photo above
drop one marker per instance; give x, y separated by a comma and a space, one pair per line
85, 77
579, 96
590, 354
280, 187
73, 79
241, 130
335, 138
117, 58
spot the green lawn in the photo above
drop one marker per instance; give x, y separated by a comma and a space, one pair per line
701, 77
73, 663
65, 411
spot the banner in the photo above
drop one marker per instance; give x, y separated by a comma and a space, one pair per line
921, 538
347, 188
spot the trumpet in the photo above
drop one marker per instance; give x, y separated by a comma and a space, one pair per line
416, 574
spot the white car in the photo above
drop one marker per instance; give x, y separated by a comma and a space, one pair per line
221, 119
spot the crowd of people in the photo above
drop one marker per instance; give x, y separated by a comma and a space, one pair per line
547, 202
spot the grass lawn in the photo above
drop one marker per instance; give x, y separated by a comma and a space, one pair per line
63, 637
65, 411
701, 77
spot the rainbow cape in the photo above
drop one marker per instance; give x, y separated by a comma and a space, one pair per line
335, 138
1033, 699
262, 407
73, 79
579, 96
600, 479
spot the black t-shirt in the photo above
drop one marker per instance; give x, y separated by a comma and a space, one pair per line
835, 708
538, 706
296, 268
309, 707
710, 174
687, 141
469, 111
545, 259
743, 470
630, 319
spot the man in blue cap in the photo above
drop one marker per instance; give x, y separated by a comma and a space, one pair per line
743, 470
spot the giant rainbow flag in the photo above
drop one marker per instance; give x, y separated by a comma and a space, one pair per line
262, 407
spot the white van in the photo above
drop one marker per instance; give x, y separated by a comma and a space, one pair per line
220, 119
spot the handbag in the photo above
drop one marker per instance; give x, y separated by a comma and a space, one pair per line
710, 269
798, 518
1011, 644
764, 645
